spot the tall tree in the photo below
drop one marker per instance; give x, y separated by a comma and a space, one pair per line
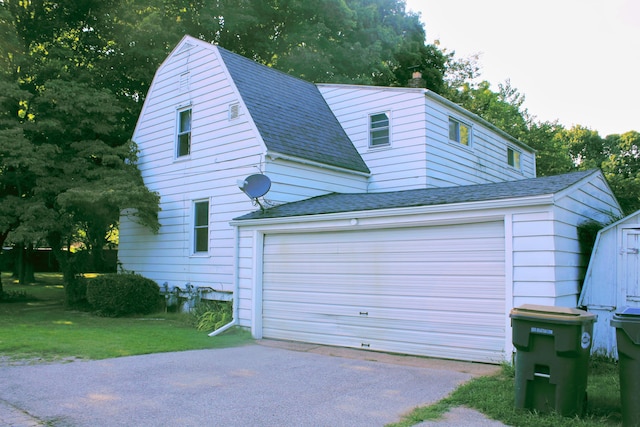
66, 161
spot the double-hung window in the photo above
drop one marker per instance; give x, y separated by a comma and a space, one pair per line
459, 132
379, 130
201, 227
513, 158
183, 143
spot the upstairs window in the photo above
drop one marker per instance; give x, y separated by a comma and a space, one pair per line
459, 132
379, 130
201, 226
513, 158
184, 133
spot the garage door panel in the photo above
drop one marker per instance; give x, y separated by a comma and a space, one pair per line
402, 285
379, 321
397, 269
418, 291
359, 329
351, 303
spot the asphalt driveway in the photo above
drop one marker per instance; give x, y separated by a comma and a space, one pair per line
272, 384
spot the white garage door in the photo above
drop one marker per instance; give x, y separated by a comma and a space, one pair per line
433, 291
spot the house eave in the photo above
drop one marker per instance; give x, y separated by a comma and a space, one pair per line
519, 202
273, 155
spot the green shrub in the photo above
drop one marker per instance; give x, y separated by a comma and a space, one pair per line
123, 294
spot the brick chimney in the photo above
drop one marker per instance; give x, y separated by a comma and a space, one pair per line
416, 80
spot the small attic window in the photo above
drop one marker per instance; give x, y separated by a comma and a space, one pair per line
234, 111
459, 132
513, 158
379, 130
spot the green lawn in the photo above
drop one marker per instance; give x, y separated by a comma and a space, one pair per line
43, 328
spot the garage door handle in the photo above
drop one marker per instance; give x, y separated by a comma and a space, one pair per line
364, 313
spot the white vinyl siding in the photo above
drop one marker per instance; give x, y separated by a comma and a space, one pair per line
434, 291
422, 154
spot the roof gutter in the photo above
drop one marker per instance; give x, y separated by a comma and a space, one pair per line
273, 155
545, 199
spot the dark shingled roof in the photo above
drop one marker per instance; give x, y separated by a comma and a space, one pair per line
352, 202
291, 115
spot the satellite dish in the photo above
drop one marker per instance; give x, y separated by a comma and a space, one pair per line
256, 185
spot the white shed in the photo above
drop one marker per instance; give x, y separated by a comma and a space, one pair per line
613, 279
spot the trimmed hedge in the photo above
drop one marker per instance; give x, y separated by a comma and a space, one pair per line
123, 294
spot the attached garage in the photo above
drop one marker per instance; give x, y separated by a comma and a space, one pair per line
419, 290
426, 272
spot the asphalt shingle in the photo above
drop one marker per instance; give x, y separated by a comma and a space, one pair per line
291, 115
347, 202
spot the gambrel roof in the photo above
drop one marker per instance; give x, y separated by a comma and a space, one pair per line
354, 202
291, 115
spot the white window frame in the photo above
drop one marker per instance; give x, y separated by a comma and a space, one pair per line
514, 158
181, 133
197, 226
455, 134
382, 128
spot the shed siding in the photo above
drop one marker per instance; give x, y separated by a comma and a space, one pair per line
603, 292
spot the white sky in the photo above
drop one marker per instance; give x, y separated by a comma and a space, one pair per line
577, 61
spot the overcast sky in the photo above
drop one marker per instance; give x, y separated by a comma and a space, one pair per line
577, 61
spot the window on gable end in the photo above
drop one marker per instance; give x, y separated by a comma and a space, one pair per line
459, 132
201, 227
379, 130
513, 158
183, 144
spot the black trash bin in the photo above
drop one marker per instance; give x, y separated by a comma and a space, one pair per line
627, 324
552, 357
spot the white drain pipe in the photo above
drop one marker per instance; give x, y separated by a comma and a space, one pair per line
234, 310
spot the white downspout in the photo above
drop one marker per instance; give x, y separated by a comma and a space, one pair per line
236, 288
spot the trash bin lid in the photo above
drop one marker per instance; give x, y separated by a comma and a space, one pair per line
628, 311
552, 313
628, 319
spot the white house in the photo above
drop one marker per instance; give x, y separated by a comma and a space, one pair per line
391, 210
612, 281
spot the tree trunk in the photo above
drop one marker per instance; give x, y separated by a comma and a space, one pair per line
3, 238
23, 269
74, 289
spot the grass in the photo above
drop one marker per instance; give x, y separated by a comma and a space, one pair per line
42, 328
494, 397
